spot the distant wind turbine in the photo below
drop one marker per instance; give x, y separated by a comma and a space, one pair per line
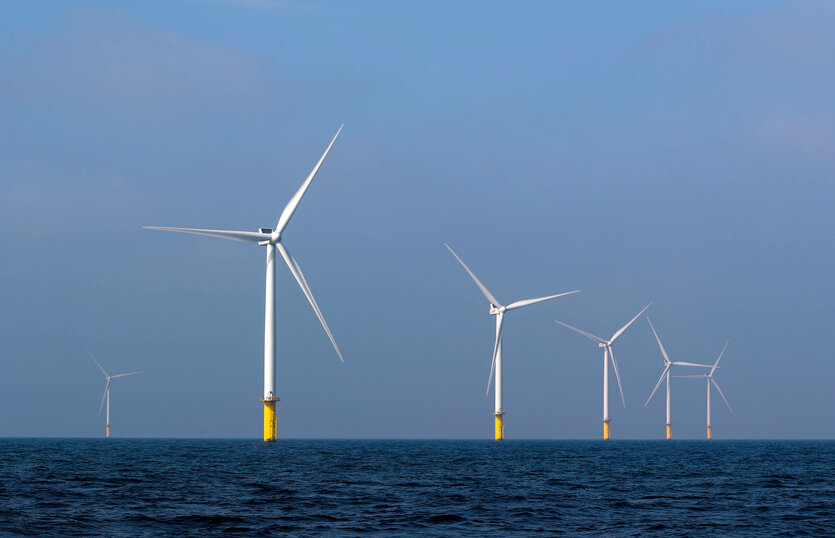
272, 239
607, 350
106, 395
498, 310
709, 379
667, 365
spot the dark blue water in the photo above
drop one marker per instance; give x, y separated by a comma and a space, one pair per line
201, 487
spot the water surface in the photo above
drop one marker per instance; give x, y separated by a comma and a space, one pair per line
299, 487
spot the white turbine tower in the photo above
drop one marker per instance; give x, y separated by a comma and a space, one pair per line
272, 240
709, 379
498, 310
106, 395
607, 352
667, 365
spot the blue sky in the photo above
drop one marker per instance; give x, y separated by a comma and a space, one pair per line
645, 151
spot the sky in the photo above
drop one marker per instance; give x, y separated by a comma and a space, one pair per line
679, 154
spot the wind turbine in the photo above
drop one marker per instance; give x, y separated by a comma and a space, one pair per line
106, 395
498, 310
709, 379
667, 365
272, 239
607, 351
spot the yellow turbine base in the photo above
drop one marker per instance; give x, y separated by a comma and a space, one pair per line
270, 421
499, 427
107, 434
669, 431
606, 429
708, 432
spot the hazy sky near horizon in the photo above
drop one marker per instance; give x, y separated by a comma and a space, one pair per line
677, 153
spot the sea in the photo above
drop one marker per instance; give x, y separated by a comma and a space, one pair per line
164, 487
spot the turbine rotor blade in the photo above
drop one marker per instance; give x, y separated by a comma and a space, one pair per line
97, 363
496, 347
614, 336
660, 379
690, 364
235, 235
660, 345
715, 384
297, 272
617, 375
584, 333
291, 206
693, 376
493, 301
103, 396
127, 374
526, 302
715, 364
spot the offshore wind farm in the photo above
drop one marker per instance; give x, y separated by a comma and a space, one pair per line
531, 218
678, 153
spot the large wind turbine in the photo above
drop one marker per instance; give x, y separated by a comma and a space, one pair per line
106, 395
709, 379
272, 239
607, 351
498, 310
667, 365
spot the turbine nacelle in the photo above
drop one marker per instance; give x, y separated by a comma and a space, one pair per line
500, 310
275, 236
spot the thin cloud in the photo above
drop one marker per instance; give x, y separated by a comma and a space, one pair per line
264, 5
793, 132
106, 58
790, 36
